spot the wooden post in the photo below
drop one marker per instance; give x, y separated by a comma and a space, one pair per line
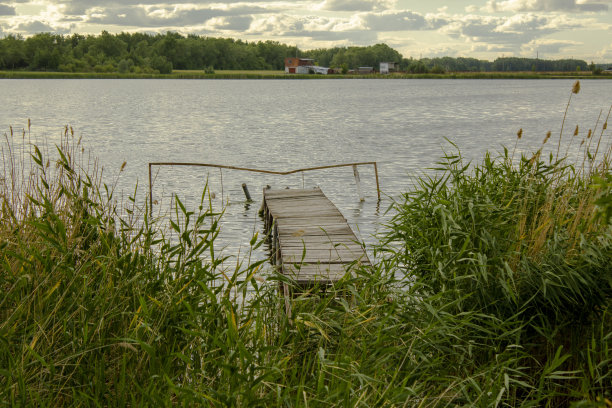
150, 192
377, 185
358, 182
246, 192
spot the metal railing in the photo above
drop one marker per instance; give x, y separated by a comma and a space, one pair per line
282, 173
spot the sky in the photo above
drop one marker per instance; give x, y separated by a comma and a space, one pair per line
484, 29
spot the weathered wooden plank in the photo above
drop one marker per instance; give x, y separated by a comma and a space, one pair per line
301, 202
325, 243
312, 221
279, 194
313, 230
311, 273
314, 257
303, 206
324, 253
308, 241
312, 209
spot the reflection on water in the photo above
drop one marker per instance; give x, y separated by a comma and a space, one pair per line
283, 125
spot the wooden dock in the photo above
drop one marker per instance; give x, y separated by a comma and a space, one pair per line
311, 241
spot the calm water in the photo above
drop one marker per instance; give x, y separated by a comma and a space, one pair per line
284, 125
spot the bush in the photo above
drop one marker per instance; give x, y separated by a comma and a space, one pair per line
518, 248
125, 65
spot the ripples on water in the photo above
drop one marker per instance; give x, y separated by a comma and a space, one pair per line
284, 125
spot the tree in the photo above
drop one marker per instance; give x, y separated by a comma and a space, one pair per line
12, 53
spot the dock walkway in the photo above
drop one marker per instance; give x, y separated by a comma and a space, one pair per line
312, 242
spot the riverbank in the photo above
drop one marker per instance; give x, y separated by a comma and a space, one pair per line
245, 74
492, 288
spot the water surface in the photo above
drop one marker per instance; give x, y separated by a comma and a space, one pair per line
283, 125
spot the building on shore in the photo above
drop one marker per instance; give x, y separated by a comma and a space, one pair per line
388, 67
294, 65
298, 65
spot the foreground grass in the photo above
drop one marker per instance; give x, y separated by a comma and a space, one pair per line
494, 290
246, 74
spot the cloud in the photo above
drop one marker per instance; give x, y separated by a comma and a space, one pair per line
548, 46
402, 21
36, 26
605, 54
234, 23
491, 48
517, 29
547, 5
168, 16
325, 31
6, 10
355, 5
82, 7
288, 25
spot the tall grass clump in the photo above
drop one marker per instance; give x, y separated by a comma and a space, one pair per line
103, 305
523, 250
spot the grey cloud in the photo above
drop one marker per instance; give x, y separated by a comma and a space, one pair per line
138, 16
6, 10
492, 48
353, 36
547, 5
40, 27
238, 23
550, 46
353, 5
82, 6
514, 30
402, 21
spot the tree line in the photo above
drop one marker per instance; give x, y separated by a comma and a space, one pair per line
162, 53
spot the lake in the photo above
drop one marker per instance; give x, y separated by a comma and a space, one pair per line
288, 124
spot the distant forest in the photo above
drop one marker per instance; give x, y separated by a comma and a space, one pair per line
162, 53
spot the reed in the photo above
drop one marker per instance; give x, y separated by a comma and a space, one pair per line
525, 243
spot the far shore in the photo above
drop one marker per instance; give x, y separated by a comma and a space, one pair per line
246, 74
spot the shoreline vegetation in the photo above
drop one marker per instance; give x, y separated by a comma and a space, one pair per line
492, 287
172, 55
259, 74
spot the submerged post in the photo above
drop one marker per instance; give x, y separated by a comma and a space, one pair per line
358, 182
377, 185
246, 192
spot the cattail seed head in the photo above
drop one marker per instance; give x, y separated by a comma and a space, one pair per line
519, 134
547, 137
605, 125
576, 87
589, 134
123, 166
576, 131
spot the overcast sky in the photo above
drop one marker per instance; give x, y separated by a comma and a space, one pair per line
483, 29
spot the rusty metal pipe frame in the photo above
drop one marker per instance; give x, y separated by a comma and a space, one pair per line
282, 173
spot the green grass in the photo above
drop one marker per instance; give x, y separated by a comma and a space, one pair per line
493, 289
